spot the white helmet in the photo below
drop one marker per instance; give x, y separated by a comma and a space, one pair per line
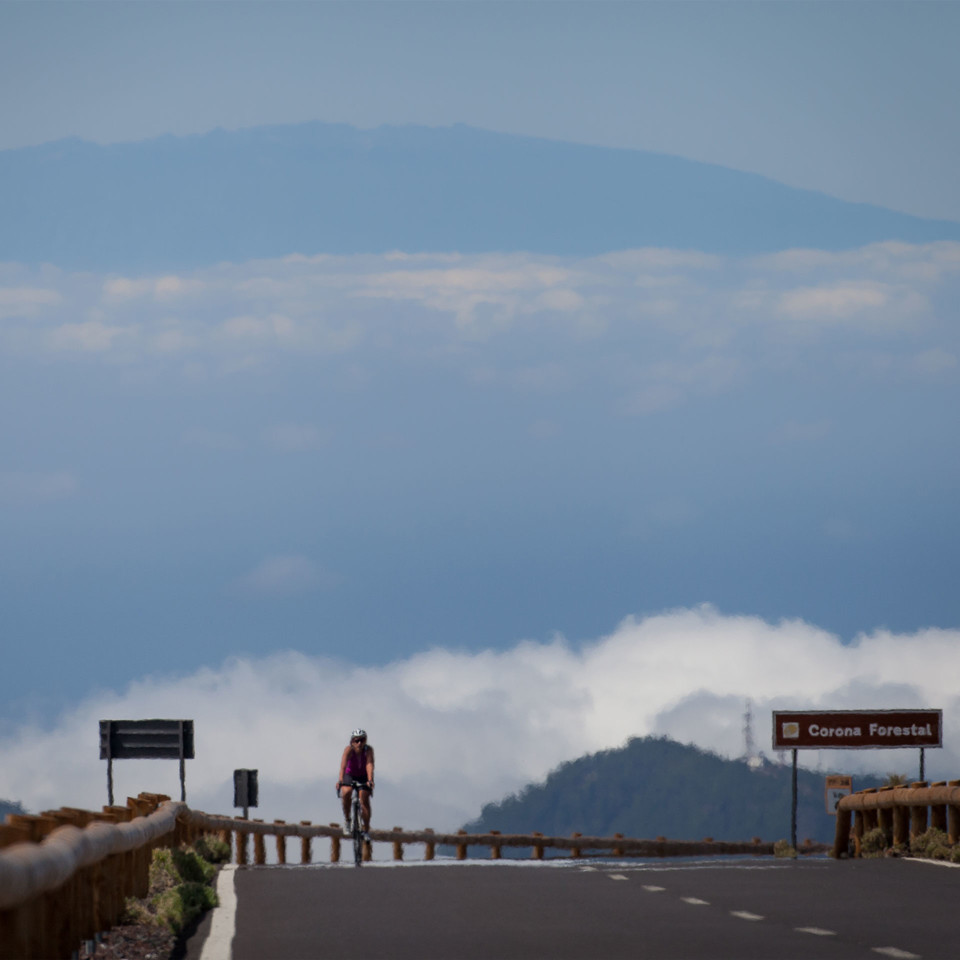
362, 734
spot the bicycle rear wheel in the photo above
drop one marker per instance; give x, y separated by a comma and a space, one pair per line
357, 836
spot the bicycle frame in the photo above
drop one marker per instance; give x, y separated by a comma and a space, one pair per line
356, 819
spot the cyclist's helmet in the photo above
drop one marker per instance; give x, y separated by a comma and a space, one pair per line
358, 733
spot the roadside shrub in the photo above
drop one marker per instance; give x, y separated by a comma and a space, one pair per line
873, 843
176, 908
783, 849
193, 868
213, 849
180, 890
929, 842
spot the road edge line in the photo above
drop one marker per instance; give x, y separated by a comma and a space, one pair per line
223, 925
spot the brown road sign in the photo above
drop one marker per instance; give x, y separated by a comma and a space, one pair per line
856, 729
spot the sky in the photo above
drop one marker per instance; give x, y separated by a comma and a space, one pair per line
494, 499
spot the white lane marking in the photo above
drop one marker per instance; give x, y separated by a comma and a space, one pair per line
696, 902
745, 915
652, 889
897, 953
933, 863
816, 931
219, 942
589, 869
617, 876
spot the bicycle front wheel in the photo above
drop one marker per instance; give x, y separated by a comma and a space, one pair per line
357, 847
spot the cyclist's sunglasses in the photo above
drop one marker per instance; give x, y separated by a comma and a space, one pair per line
357, 740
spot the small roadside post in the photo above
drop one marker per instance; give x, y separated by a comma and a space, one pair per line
837, 787
246, 791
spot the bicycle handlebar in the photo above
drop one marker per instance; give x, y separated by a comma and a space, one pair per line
362, 784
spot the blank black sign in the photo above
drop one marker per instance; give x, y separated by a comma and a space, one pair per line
146, 739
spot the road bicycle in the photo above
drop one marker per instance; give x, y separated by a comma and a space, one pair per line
356, 818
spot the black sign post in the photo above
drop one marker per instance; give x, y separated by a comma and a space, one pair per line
246, 791
146, 739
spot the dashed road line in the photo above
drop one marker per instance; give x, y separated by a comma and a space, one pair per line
816, 931
617, 876
896, 953
745, 915
696, 901
650, 888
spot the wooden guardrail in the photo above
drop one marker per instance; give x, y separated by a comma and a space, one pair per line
903, 813
237, 832
65, 875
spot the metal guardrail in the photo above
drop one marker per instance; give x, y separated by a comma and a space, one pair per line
903, 813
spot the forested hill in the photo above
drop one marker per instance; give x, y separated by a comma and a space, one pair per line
657, 787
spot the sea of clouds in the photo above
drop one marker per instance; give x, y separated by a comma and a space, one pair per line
454, 730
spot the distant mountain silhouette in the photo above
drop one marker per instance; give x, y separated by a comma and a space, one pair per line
182, 202
8, 806
656, 787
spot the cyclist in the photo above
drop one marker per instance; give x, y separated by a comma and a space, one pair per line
356, 766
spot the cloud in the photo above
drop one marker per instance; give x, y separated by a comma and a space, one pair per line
834, 302
285, 575
91, 336
686, 674
26, 301
658, 309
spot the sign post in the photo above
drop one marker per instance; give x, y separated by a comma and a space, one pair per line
246, 790
853, 730
146, 739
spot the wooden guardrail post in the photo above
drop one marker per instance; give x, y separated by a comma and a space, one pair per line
537, 847
953, 817
857, 832
305, 851
885, 819
259, 848
901, 825
226, 836
938, 811
841, 839
918, 814
241, 848
334, 844
618, 851
495, 851
575, 851
461, 847
367, 851
398, 845
281, 843
430, 851
871, 819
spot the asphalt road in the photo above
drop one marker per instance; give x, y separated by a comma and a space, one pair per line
738, 909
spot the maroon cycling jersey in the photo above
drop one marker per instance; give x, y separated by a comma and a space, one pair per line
356, 768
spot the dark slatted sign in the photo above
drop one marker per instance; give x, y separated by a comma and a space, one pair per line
146, 739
